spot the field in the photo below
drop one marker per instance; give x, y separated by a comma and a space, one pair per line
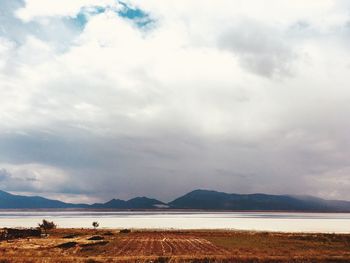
87, 245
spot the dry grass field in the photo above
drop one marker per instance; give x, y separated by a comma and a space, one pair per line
87, 245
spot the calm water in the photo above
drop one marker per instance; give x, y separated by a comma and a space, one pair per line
269, 221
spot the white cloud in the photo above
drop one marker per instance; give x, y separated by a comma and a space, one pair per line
6, 48
36, 9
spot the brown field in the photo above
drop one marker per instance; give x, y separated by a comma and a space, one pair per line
86, 245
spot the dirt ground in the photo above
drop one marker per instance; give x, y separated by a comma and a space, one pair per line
87, 245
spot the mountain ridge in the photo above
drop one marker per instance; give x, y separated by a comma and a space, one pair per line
200, 199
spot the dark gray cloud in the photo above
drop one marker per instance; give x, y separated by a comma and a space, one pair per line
290, 162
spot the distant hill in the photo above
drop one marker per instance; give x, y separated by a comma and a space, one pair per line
213, 200
10, 201
198, 199
135, 203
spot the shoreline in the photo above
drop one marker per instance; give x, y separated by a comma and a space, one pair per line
165, 220
169, 210
214, 230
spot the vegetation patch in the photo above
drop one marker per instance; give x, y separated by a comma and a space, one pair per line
96, 238
68, 245
71, 236
125, 231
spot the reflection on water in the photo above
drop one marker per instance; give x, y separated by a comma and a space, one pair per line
266, 221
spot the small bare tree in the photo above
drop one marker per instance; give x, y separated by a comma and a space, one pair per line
95, 224
47, 225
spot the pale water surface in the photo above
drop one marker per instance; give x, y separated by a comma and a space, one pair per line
262, 221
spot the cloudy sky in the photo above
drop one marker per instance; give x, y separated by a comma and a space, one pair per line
104, 99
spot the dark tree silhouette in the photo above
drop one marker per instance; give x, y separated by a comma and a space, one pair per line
95, 224
47, 225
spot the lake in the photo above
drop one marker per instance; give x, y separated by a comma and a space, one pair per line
261, 221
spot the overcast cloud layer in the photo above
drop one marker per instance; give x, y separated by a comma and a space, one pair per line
103, 99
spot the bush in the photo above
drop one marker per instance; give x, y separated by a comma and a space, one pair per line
125, 231
47, 225
95, 224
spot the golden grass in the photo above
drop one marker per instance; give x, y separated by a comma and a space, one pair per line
74, 245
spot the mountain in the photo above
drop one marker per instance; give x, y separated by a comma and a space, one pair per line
144, 202
135, 203
197, 199
114, 203
10, 201
213, 200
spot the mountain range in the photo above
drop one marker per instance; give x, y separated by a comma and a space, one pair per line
197, 199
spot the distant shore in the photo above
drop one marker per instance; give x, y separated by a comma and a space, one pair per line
110, 245
180, 219
172, 210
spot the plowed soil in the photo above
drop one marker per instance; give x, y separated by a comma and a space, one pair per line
168, 244
81, 245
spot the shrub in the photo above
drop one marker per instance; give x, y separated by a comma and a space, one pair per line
47, 225
95, 224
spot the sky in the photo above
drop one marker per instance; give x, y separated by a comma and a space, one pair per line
104, 99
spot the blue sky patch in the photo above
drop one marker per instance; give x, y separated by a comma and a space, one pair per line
139, 17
